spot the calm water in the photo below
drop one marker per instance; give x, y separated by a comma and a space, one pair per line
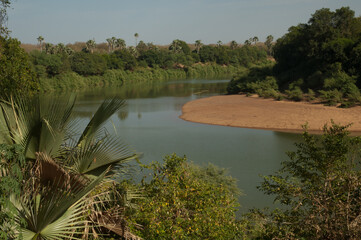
150, 124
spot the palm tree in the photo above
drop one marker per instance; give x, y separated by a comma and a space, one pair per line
175, 46
40, 40
233, 45
219, 43
247, 42
48, 47
67, 165
111, 44
255, 40
136, 35
268, 44
90, 45
120, 43
198, 44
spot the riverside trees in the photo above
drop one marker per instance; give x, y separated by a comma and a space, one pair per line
322, 55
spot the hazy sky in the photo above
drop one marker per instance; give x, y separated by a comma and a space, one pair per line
161, 21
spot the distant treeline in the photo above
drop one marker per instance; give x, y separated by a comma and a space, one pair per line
321, 58
60, 67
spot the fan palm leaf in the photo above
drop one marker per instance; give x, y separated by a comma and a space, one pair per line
54, 212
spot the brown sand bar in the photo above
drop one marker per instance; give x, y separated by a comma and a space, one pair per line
254, 112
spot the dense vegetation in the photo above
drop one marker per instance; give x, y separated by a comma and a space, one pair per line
59, 67
321, 57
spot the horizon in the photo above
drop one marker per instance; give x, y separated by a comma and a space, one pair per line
206, 20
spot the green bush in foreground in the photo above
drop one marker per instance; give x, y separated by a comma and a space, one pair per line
187, 202
320, 188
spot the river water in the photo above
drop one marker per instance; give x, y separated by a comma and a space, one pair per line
150, 124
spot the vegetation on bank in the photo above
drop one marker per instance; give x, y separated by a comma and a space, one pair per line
115, 77
318, 59
62, 69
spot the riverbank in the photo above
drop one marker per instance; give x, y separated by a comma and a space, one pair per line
268, 114
74, 82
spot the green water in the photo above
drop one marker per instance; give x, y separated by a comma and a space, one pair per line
150, 124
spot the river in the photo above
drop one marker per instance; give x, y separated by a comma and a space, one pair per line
150, 124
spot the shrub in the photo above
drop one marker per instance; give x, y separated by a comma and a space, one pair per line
295, 94
188, 202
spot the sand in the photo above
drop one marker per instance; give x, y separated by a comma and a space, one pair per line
269, 114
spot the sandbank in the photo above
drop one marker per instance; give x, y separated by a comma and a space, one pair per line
269, 114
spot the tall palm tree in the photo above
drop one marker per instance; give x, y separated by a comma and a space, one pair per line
219, 43
111, 44
40, 40
255, 40
90, 45
136, 35
198, 44
67, 165
268, 44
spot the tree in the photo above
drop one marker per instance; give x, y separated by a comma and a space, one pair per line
4, 4
175, 46
219, 43
319, 187
198, 44
136, 35
188, 202
60, 198
16, 75
88, 64
247, 42
255, 40
120, 43
268, 44
111, 44
40, 40
233, 45
90, 45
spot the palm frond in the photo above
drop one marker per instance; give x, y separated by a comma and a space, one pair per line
53, 212
104, 112
93, 158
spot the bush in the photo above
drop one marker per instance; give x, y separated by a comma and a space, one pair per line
295, 94
331, 97
188, 202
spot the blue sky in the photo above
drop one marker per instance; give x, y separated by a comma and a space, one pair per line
161, 21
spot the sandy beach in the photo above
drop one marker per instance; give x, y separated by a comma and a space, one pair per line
269, 114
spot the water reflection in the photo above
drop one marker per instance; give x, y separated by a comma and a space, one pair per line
150, 124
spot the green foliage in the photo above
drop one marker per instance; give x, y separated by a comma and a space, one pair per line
16, 75
256, 80
12, 164
327, 38
319, 187
294, 94
53, 64
310, 95
187, 202
87, 64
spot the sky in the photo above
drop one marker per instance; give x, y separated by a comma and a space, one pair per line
161, 21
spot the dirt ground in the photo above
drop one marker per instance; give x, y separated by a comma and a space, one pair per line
259, 113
